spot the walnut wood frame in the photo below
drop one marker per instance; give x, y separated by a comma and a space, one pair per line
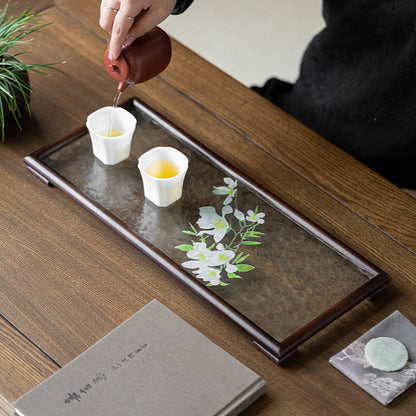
277, 351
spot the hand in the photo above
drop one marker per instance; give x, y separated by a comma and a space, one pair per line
126, 20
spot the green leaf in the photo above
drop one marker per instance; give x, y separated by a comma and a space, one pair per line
188, 232
250, 243
211, 246
244, 267
193, 228
233, 276
185, 247
242, 258
251, 235
223, 284
238, 257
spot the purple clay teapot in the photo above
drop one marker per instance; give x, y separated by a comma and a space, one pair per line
145, 58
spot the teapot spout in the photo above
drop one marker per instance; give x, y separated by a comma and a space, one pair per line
122, 85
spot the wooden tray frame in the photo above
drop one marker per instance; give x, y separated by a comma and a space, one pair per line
277, 351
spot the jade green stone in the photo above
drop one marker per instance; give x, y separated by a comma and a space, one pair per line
386, 354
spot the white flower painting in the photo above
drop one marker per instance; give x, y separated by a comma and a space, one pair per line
215, 252
212, 223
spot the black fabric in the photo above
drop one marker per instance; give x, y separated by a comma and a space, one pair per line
357, 84
276, 91
181, 6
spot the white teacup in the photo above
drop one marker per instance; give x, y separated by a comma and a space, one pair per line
163, 191
111, 150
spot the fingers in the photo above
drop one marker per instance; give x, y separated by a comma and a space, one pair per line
127, 20
108, 11
123, 21
148, 20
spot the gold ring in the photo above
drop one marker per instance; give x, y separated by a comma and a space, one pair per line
127, 17
110, 8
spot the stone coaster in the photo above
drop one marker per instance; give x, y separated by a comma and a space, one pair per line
384, 386
386, 354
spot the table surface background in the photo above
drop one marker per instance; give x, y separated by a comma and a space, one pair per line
66, 279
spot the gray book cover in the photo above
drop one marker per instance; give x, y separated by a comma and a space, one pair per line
153, 364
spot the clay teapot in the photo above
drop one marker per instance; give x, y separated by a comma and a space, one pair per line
145, 58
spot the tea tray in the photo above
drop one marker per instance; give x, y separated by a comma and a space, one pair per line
270, 270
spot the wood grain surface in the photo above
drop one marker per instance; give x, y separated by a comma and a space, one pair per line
66, 279
23, 364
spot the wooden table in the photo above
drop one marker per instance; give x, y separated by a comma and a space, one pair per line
66, 279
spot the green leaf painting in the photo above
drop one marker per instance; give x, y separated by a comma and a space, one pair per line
185, 247
244, 267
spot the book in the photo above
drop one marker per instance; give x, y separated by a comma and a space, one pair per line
153, 364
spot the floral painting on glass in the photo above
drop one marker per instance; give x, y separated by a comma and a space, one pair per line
216, 249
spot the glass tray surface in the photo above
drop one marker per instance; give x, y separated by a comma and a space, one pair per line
276, 269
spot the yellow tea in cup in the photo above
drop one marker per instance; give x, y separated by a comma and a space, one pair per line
111, 144
163, 172
162, 169
112, 133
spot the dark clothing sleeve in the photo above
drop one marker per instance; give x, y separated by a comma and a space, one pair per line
357, 85
181, 6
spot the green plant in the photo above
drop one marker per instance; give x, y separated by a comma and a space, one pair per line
14, 81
